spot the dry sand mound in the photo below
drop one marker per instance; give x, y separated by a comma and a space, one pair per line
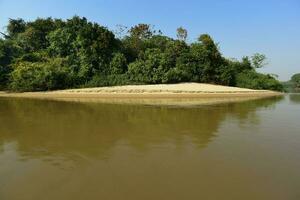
165, 88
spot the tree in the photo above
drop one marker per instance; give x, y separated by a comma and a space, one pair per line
15, 26
135, 42
88, 46
182, 34
149, 68
296, 80
8, 52
30, 40
208, 53
31, 36
157, 41
40, 76
141, 31
118, 64
258, 60
4, 35
47, 54
254, 80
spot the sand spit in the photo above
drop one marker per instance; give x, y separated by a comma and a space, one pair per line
169, 94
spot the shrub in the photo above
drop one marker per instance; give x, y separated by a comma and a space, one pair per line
118, 65
150, 68
109, 80
254, 80
4, 76
40, 76
176, 75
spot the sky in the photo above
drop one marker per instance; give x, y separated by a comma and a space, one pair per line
241, 27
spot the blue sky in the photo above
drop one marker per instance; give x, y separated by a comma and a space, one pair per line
240, 27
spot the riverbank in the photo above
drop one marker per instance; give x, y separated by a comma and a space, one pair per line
183, 93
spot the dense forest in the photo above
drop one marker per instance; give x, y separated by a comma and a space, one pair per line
49, 54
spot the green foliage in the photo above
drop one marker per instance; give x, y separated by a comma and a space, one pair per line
210, 57
15, 26
89, 47
29, 40
177, 75
226, 75
182, 34
296, 80
118, 64
141, 31
292, 85
259, 60
254, 80
158, 41
108, 80
138, 40
8, 50
4, 76
40, 76
149, 68
48, 54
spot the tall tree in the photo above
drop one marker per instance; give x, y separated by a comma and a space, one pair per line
134, 43
259, 60
88, 46
8, 51
182, 34
141, 31
15, 26
211, 58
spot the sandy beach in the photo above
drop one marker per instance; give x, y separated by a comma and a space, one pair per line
171, 94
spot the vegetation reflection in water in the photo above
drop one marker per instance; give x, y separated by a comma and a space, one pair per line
295, 98
53, 128
76, 150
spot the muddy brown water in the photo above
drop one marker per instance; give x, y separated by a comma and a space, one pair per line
79, 150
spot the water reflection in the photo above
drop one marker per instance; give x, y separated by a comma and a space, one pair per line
295, 98
72, 132
64, 150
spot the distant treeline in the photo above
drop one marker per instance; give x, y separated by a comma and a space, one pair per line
49, 54
293, 85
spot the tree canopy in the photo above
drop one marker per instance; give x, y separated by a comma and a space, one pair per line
296, 80
49, 54
293, 85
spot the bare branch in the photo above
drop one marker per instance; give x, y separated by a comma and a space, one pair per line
6, 36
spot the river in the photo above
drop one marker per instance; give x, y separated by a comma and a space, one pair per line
79, 150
